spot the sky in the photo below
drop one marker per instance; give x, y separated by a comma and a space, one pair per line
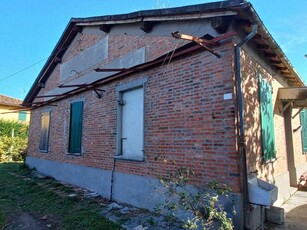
30, 30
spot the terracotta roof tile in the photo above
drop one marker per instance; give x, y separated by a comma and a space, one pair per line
5, 100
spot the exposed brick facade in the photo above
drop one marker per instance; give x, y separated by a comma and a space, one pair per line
190, 106
186, 118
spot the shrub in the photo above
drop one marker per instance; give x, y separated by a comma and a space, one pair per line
13, 140
201, 205
19, 129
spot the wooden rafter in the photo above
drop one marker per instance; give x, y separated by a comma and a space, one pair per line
202, 42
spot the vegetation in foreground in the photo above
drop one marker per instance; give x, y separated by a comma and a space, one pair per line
13, 140
46, 199
202, 205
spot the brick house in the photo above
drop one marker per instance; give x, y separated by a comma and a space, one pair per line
204, 85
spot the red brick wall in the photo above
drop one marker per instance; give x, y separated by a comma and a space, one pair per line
186, 118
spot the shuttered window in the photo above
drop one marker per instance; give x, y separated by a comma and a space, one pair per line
44, 134
267, 120
132, 123
303, 116
22, 116
75, 128
130, 120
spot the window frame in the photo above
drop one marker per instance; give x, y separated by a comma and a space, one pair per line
75, 150
47, 132
120, 90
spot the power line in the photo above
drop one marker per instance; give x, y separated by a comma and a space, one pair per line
20, 71
30, 66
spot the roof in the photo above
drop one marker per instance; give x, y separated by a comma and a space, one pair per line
296, 95
244, 12
10, 101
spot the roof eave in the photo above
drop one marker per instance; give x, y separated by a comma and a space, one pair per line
265, 34
58, 51
192, 9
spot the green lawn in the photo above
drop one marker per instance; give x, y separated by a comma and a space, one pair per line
23, 194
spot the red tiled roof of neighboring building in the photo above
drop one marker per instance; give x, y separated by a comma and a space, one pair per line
5, 100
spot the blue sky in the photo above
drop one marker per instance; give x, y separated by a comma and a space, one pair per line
30, 29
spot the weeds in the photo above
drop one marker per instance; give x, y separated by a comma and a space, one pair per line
199, 206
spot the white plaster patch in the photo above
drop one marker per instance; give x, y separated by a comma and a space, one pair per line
227, 96
87, 58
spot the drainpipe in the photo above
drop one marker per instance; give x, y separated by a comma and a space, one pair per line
242, 143
112, 179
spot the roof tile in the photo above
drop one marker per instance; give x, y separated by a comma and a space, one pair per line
5, 100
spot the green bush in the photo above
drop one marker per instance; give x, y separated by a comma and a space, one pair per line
13, 140
19, 129
202, 203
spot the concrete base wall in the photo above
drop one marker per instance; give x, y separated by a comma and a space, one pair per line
127, 188
283, 183
284, 190
140, 191
96, 180
300, 170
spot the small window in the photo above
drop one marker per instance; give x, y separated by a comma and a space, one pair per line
44, 137
75, 128
22, 116
267, 120
130, 120
303, 116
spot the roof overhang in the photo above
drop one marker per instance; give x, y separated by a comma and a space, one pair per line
11, 105
295, 97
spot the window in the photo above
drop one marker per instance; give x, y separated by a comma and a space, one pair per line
45, 126
130, 120
267, 120
22, 116
303, 116
75, 128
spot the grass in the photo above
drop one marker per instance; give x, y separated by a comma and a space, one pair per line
21, 192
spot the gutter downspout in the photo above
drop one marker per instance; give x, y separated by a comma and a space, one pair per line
112, 179
242, 143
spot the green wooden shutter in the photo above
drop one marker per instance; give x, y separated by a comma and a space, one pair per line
44, 137
22, 116
75, 131
303, 116
267, 120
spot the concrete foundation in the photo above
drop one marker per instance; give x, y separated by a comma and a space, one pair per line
140, 191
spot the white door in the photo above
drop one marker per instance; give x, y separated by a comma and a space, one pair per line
133, 122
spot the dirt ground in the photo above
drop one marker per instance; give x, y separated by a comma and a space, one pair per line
28, 221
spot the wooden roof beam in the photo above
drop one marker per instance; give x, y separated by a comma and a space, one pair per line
200, 41
285, 73
262, 47
275, 62
281, 68
147, 26
105, 28
244, 23
269, 55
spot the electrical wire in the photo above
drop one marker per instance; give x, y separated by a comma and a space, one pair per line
22, 70
34, 64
